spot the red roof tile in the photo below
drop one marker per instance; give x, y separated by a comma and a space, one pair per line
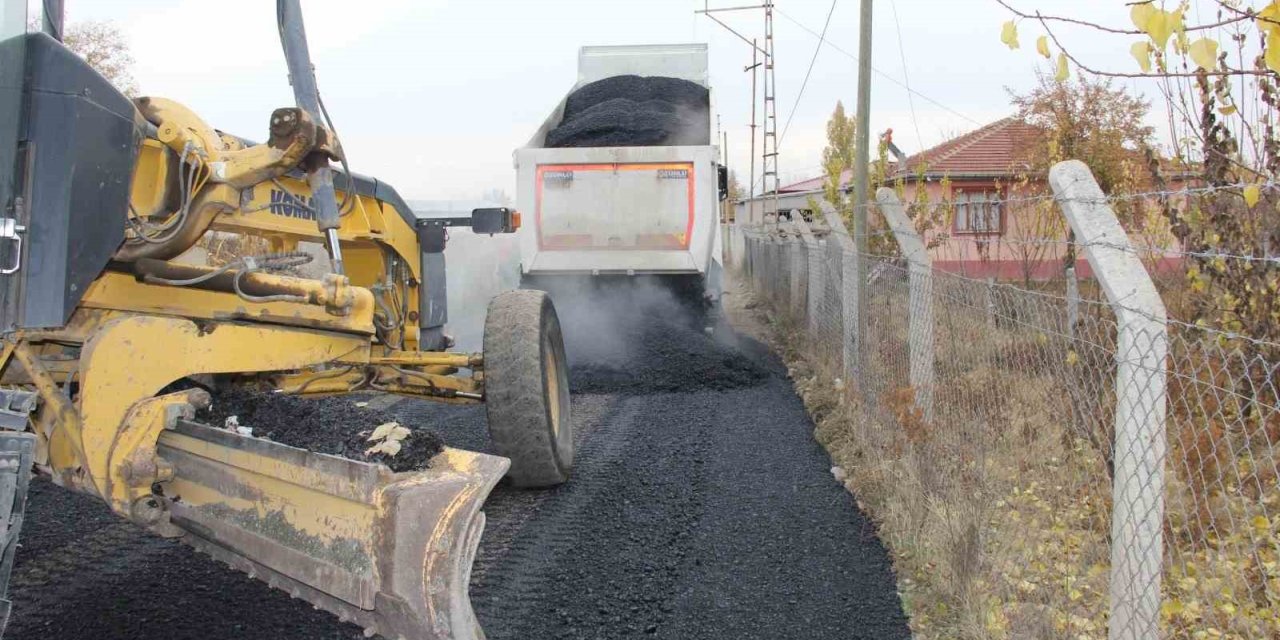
993, 150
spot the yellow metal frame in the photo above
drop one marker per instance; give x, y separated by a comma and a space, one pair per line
134, 336
123, 292
390, 551
130, 359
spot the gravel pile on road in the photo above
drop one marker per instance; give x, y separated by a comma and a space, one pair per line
665, 356
634, 111
708, 514
334, 425
641, 336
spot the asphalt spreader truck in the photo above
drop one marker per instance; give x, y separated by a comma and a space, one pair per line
622, 181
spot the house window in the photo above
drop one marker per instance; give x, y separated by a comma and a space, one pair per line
978, 212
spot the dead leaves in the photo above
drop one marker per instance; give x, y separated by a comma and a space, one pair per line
387, 439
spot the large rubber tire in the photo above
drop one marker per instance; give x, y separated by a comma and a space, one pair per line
527, 388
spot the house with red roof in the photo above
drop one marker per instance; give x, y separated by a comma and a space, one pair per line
991, 218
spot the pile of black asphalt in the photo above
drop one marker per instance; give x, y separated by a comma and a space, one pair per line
337, 426
700, 506
634, 111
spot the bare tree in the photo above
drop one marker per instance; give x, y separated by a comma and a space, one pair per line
104, 47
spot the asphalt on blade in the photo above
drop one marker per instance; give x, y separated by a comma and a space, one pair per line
706, 512
333, 425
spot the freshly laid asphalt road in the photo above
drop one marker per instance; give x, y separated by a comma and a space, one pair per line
700, 507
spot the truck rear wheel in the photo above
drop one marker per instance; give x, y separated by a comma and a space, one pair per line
527, 388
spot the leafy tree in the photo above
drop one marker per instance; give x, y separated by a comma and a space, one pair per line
1216, 64
1088, 118
736, 190
839, 156
1218, 76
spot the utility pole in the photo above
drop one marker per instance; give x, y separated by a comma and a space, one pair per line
770, 120
729, 210
751, 190
863, 161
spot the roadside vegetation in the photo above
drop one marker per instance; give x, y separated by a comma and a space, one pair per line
997, 507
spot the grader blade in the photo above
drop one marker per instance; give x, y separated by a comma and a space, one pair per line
391, 552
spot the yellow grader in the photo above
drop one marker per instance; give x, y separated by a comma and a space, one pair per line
101, 194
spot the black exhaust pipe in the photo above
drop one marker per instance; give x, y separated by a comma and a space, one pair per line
53, 16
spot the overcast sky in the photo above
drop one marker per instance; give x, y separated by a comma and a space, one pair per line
434, 95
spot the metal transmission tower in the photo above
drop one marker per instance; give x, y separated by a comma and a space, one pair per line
769, 149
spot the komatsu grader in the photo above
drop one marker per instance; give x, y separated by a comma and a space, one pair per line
101, 326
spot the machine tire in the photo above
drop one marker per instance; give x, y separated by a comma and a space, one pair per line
527, 388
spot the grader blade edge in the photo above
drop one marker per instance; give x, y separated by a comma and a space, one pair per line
391, 552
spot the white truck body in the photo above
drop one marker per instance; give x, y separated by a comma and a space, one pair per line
622, 210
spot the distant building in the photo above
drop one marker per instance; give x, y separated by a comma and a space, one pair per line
994, 230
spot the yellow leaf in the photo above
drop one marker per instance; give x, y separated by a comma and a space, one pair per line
1261, 523
1072, 357
1042, 46
1009, 34
1063, 71
1181, 43
1251, 194
1163, 24
1141, 52
1273, 50
1204, 52
1141, 14
1227, 109
1171, 608
1269, 18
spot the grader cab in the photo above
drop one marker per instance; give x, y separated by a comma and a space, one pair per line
100, 194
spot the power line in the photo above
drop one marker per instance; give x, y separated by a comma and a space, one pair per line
821, 39
906, 77
882, 74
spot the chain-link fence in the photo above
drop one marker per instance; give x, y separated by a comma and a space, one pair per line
1044, 463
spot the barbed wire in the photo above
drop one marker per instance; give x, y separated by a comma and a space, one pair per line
998, 238
1118, 305
1236, 188
993, 241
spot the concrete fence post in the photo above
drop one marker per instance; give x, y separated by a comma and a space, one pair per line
991, 301
815, 287
800, 271
797, 269
777, 271
920, 298
850, 285
1137, 517
1073, 302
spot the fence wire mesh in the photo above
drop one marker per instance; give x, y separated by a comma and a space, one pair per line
1043, 465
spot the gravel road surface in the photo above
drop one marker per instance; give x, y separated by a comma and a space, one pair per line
700, 507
